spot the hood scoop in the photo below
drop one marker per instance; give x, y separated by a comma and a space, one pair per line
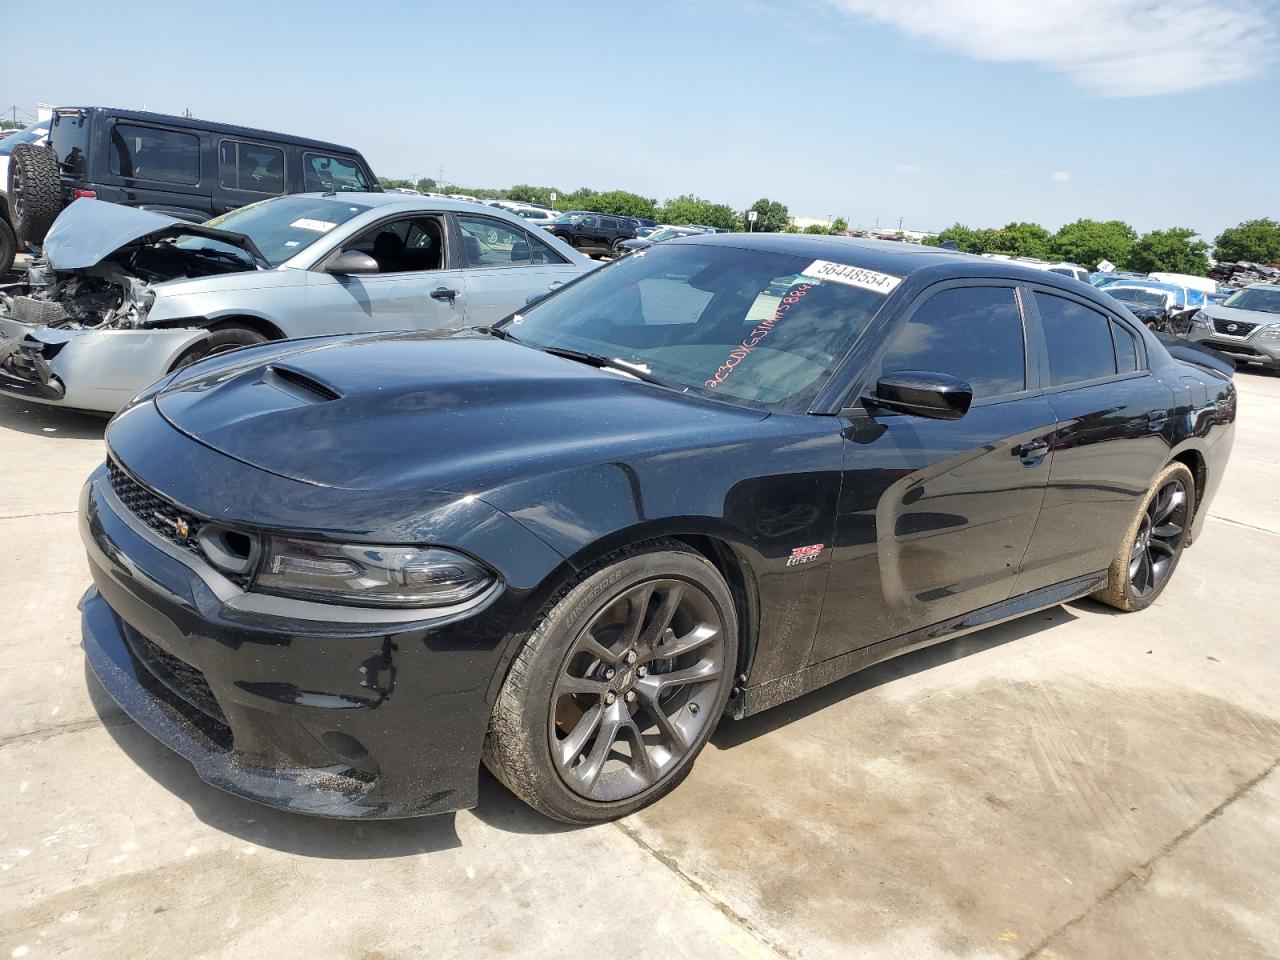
305, 386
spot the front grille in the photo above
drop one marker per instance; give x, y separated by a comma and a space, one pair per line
170, 521
1234, 328
1236, 348
179, 677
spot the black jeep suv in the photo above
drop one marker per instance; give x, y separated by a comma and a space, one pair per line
177, 166
595, 234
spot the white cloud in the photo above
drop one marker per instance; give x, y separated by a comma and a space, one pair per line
907, 168
1061, 176
1112, 48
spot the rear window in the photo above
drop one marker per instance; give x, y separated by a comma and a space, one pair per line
1078, 340
149, 153
69, 137
322, 173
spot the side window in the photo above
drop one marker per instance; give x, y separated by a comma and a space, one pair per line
1126, 349
322, 173
540, 252
491, 243
250, 166
589, 223
974, 333
148, 153
1078, 340
409, 245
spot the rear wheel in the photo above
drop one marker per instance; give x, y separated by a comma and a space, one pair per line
8, 247
220, 340
618, 687
1153, 545
35, 191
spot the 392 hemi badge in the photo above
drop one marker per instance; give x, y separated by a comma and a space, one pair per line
805, 554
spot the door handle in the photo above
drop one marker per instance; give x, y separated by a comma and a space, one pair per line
1156, 419
444, 293
1032, 452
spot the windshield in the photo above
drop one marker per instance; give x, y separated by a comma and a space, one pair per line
29, 134
659, 235
1148, 298
751, 327
282, 227
1255, 298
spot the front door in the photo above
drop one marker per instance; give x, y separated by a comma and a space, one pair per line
505, 266
418, 285
935, 515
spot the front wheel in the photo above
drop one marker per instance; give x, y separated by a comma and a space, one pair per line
220, 340
618, 687
1154, 542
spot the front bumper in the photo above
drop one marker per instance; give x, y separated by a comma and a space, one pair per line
1254, 348
99, 370
342, 716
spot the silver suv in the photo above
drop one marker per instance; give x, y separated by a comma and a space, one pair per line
1245, 326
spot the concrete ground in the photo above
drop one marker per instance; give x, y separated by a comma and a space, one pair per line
1078, 784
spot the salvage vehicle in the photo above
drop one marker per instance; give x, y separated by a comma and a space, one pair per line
1245, 326
659, 236
182, 167
35, 134
1153, 306
337, 575
123, 296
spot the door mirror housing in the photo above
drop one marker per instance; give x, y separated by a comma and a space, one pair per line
938, 396
350, 262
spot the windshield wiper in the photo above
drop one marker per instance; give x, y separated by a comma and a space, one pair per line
626, 367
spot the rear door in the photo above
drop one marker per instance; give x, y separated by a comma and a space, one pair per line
1114, 421
418, 286
936, 515
504, 266
248, 172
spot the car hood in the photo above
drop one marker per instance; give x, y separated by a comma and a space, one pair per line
89, 231
459, 412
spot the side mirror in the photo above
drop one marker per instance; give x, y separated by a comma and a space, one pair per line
350, 262
938, 396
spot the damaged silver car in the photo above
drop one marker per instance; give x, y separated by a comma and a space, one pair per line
122, 296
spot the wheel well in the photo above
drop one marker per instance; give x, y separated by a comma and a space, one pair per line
737, 573
1195, 463
257, 324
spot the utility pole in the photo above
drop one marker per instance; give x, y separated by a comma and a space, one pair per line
900, 219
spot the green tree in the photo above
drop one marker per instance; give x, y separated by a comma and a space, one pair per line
839, 225
1088, 242
967, 239
391, 183
619, 203
427, 185
690, 209
1172, 251
1022, 240
816, 228
1254, 240
771, 216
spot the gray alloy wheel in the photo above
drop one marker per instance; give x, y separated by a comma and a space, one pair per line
1153, 543
637, 689
618, 685
1162, 530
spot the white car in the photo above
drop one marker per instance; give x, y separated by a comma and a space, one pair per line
1188, 280
125, 295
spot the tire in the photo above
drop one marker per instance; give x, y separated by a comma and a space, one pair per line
220, 340
1146, 560
563, 677
35, 191
8, 247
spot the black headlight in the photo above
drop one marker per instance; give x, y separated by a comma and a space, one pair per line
367, 575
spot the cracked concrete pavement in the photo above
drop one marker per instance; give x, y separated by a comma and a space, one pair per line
1077, 784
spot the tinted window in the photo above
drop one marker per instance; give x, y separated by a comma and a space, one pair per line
148, 153
401, 246
324, 174
1126, 349
69, 137
755, 327
1078, 341
974, 333
250, 166
490, 243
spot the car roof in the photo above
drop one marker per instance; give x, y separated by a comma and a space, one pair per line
191, 123
404, 200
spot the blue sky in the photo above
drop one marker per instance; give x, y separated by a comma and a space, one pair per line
1160, 112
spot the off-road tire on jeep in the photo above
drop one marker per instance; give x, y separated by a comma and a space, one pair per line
1153, 544
35, 191
650, 627
221, 339
8, 247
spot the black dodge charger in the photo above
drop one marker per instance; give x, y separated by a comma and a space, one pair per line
339, 574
